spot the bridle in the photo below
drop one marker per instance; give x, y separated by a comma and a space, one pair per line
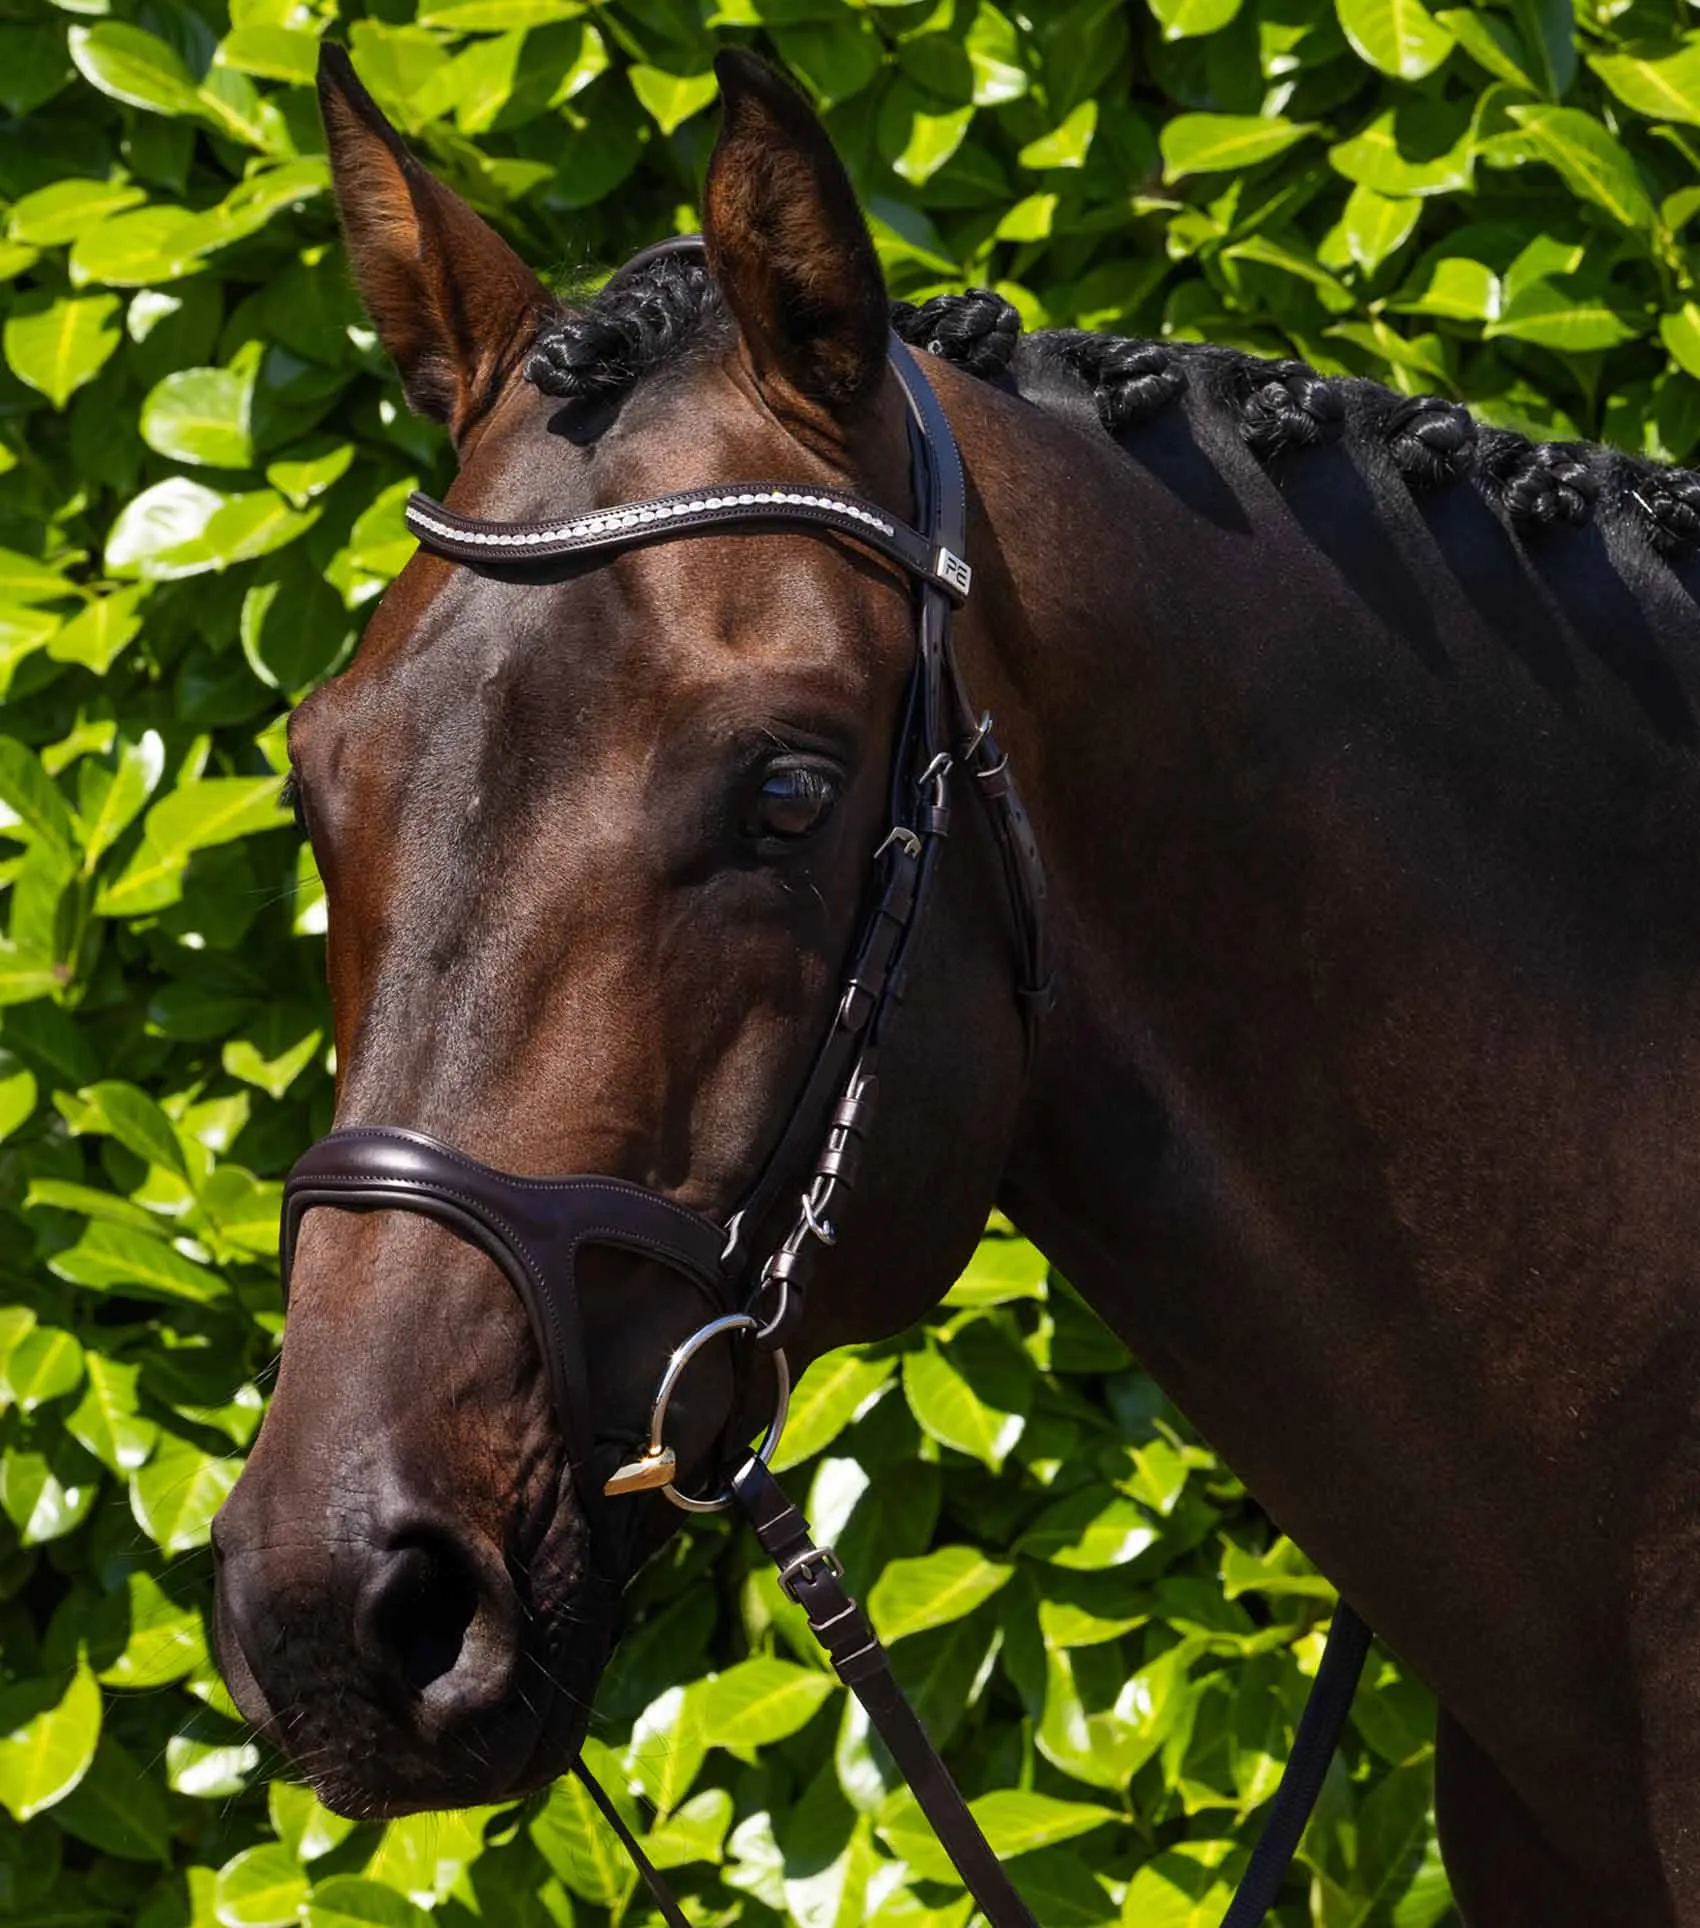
533, 1228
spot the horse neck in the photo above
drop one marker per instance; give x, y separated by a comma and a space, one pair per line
1346, 915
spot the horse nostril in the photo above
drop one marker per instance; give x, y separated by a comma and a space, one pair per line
418, 1610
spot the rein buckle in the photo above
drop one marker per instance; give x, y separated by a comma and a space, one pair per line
801, 1569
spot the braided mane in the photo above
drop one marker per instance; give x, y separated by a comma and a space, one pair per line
655, 314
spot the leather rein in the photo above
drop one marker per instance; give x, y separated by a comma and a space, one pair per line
534, 1228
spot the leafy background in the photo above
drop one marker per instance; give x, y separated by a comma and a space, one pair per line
202, 454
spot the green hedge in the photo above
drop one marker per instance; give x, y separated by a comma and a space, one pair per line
202, 455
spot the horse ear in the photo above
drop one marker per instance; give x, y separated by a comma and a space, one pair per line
787, 244
453, 304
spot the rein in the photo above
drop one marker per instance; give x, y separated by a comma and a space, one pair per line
534, 1228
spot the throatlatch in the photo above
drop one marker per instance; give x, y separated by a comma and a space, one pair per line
534, 1229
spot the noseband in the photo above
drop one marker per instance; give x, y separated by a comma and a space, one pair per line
534, 1228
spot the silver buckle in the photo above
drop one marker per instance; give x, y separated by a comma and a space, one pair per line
900, 837
796, 1569
952, 571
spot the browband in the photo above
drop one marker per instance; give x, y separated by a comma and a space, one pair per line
739, 505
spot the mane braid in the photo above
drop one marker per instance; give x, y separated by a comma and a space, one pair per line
652, 315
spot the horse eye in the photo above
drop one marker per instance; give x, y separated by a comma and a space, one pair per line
793, 801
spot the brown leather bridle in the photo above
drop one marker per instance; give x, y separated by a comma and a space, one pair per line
534, 1228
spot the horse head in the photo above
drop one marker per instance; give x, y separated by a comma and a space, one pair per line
595, 833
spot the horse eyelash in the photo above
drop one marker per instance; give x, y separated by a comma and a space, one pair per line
289, 796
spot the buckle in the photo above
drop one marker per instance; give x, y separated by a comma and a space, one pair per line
953, 572
899, 837
793, 1570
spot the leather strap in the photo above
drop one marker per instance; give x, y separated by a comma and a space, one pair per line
1320, 1726
733, 505
812, 1577
666, 1902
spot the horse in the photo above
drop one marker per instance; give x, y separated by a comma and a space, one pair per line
1359, 743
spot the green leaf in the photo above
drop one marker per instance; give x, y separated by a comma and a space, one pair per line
1377, 226
1183, 19
1667, 89
671, 99
1013, 1822
17, 1100
44, 1365
1423, 146
1457, 287
1492, 41
47, 1494
922, 139
994, 54
1593, 162
1090, 1528
1067, 144
1400, 37
25, 580
33, 798
115, 1807
99, 635
575, 1840
913, 1595
161, 534
830, 1394
263, 1887
133, 66
760, 1701
133, 250
58, 213
351, 1901
56, 343
1180, 1888
1548, 29
248, 526
1680, 333
1001, 1271
971, 1395
1219, 143
109, 797
270, 52
1564, 316
497, 16
175, 1495
694, 1833
163, 1640
200, 415
301, 476
294, 630
196, 817
26, 975
137, 1122
668, 1746
306, 1829
48, 1735
113, 1258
